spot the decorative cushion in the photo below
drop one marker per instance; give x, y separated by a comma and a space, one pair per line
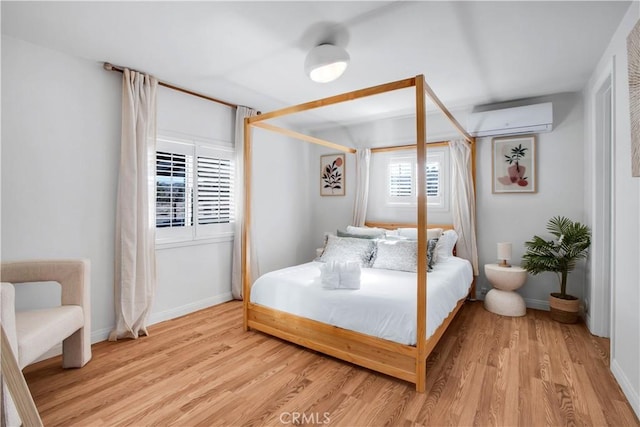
396, 255
431, 259
345, 249
446, 242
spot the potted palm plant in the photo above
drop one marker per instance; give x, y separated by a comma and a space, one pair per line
559, 256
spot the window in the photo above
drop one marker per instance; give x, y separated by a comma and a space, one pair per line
215, 189
173, 189
402, 180
194, 190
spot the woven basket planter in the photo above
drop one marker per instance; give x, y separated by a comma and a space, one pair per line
564, 310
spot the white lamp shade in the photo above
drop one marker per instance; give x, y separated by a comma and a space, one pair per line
504, 251
326, 63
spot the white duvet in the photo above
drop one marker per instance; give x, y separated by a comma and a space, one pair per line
384, 306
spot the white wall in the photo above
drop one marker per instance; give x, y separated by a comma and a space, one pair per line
625, 293
60, 153
517, 218
282, 219
60, 160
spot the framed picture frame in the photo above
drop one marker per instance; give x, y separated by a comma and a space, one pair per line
514, 164
332, 175
633, 68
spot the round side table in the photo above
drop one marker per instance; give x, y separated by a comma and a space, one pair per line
503, 299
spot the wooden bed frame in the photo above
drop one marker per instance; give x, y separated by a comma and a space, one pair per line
401, 361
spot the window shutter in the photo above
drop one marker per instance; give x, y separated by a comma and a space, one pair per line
433, 179
215, 190
401, 179
173, 195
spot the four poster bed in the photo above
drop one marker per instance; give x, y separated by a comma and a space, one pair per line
402, 355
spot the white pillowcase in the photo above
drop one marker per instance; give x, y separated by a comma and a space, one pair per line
409, 233
446, 242
412, 233
434, 233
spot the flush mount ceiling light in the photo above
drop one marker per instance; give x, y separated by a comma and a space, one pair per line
326, 62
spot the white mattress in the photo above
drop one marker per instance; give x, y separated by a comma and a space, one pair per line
384, 306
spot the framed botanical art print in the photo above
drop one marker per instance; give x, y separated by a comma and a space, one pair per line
514, 164
633, 68
332, 175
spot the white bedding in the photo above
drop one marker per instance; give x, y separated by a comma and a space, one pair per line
384, 306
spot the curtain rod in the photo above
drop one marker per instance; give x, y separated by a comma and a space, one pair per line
110, 67
408, 147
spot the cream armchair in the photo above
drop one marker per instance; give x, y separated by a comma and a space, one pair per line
31, 333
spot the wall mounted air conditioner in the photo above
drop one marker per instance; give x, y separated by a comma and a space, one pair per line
512, 121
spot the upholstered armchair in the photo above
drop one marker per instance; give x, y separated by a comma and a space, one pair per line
31, 333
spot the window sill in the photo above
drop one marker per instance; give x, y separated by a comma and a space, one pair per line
212, 240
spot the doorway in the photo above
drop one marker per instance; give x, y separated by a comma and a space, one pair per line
602, 283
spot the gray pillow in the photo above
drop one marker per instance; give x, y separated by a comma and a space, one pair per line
342, 233
396, 255
431, 259
345, 249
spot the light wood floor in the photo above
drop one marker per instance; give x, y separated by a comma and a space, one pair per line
203, 370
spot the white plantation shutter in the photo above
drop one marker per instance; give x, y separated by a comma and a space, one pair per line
401, 179
402, 175
433, 179
215, 190
173, 189
194, 190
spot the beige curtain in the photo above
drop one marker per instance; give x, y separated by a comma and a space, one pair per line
363, 158
236, 270
135, 262
463, 202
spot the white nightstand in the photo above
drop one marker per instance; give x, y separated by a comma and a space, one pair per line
503, 299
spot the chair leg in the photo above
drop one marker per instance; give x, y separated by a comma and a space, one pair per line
76, 350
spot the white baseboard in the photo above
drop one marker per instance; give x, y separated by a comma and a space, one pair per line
189, 308
537, 304
625, 385
103, 334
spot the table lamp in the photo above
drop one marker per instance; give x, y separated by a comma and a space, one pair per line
504, 254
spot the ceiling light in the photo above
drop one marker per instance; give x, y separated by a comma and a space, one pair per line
326, 62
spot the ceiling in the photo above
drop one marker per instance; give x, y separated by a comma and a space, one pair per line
252, 53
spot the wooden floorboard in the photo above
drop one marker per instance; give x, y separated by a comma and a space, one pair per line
204, 370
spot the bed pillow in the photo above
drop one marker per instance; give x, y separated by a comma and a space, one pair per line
371, 232
446, 242
434, 233
431, 258
394, 237
409, 233
345, 249
396, 255
342, 233
412, 233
